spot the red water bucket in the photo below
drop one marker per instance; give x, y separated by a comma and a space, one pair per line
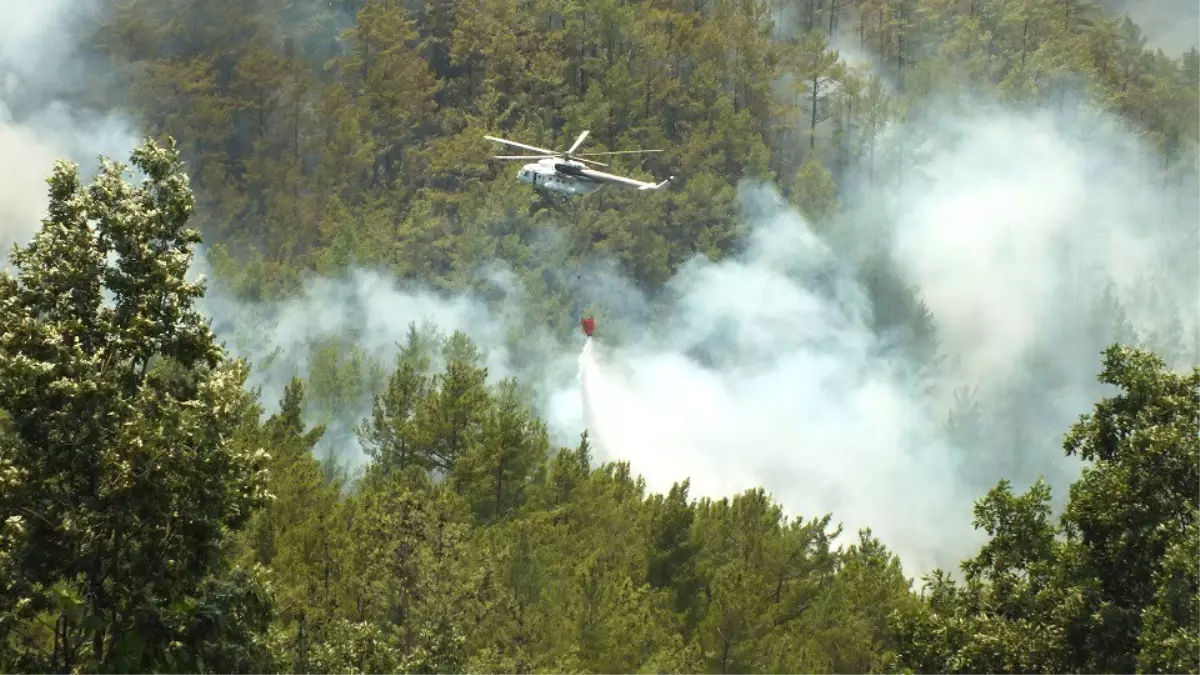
589, 325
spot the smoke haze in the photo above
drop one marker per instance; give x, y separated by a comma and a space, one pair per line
765, 369
1170, 25
40, 72
1016, 232
1025, 233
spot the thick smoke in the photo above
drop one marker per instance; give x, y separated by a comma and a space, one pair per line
1026, 233
797, 395
1034, 239
41, 78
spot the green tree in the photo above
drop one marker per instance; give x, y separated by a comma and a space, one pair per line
814, 191
298, 534
391, 437
395, 84
449, 416
1106, 590
500, 464
124, 415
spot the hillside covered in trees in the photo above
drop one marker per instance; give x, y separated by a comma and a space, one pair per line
984, 216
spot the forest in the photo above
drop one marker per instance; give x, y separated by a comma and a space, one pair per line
284, 466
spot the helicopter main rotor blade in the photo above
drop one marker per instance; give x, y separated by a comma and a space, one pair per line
523, 146
614, 152
576, 159
578, 141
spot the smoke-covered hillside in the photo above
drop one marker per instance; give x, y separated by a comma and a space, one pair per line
902, 235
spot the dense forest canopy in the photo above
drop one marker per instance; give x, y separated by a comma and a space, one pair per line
923, 292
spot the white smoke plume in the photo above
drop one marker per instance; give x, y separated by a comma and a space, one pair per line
1015, 232
356, 321
804, 407
767, 368
40, 75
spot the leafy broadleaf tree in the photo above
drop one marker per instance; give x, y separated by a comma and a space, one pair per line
124, 412
1108, 589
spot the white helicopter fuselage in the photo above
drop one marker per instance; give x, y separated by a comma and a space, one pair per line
543, 175
562, 175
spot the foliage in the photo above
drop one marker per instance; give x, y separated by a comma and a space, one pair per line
151, 520
1106, 590
123, 443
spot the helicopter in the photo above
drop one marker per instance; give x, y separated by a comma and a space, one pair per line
565, 174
